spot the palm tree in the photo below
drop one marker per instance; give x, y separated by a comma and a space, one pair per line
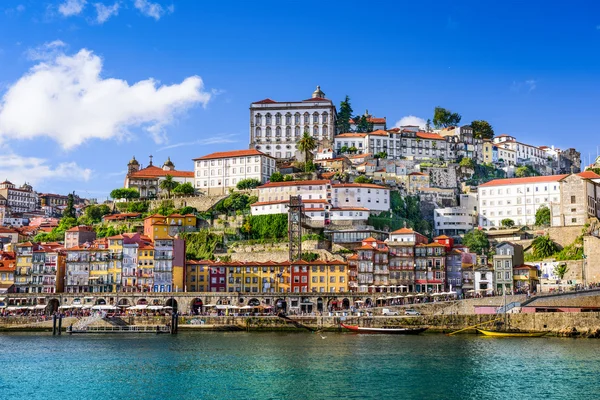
306, 145
168, 184
543, 247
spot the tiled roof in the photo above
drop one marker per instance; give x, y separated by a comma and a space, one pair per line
296, 183
429, 135
441, 237
402, 231
81, 228
417, 173
379, 132
317, 99
358, 185
361, 155
156, 172
117, 217
265, 101
350, 134
234, 153
529, 179
588, 175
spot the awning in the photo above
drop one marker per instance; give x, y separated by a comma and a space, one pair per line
65, 307
155, 307
247, 307
139, 307
40, 307
104, 307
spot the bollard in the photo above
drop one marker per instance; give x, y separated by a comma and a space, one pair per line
54, 325
59, 324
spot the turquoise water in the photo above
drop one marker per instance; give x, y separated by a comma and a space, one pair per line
213, 365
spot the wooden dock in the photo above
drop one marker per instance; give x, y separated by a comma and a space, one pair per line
121, 329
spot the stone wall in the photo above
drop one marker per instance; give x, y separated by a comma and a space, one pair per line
564, 236
200, 203
442, 177
591, 248
276, 251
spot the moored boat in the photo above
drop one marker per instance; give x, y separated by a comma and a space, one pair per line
511, 333
394, 331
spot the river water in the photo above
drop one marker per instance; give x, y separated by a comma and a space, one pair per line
215, 365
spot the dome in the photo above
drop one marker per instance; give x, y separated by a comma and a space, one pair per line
318, 93
133, 161
169, 163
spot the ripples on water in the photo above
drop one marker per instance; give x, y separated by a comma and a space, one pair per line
296, 366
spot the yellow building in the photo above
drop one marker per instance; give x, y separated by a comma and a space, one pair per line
197, 276
328, 276
488, 154
145, 268
7, 274
525, 278
115, 265
24, 266
160, 227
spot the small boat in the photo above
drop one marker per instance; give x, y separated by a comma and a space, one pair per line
511, 333
393, 331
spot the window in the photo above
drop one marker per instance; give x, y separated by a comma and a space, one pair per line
573, 200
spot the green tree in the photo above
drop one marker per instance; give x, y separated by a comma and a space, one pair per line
306, 145
428, 125
543, 247
561, 270
125, 193
69, 211
309, 256
507, 223
443, 118
276, 177
542, 216
363, 179
246, 184
93, 214
352, 149
344, 149
187, 210
166, 208
288, 178
344, 115
381, 154
168, 184
482, 129
362, 124
525, 170
467, 163
477, 241
184, 189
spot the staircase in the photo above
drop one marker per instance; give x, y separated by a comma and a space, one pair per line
83, 323
508, 307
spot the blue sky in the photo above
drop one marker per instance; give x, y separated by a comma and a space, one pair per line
86, 85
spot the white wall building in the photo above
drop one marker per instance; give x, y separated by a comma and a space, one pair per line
217, 172
276, 127
453, 220
370, 196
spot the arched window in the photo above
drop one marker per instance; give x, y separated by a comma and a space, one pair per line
268, 119
258, 119
277, 118
315, 130
258, 132
306, 119
288, 119
316, 118
324, 117
268, 134
278, 131
297, 131
325, 133
297, 118
288, 131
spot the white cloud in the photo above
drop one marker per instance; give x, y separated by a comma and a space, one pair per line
221, 139
71, 7
19, 169
153, 10
105, 12
529, 85
411, 120
46, 51
67, 100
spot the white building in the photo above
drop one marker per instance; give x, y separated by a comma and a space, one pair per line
19, 200
525, 153
453, 220
276, 127
323, 202
216, 173
520, 198
147, 180
369, 196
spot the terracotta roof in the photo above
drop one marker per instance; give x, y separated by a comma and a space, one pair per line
525, 266
327, 175
417, 173
429, 135
360, 155
358, 185
81, 228
441, 237
234, 153
267, 203
121, 216
317, 99
265, 101
295, 183
156, 172
370, 240
403, 231
529, 179
379, 132
350, 134
588, 175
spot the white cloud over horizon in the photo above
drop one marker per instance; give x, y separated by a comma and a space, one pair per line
19, 169
65, 98
411, 120
153, 10
71, 7
221, 139
103, 12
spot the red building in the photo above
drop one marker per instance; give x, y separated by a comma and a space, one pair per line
299, 277
217, 279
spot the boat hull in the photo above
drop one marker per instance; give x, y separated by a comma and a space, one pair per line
384, 331
511, 334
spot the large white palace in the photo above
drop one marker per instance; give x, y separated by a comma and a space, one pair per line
276, 126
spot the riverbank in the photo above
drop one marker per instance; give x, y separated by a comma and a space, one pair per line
559, 324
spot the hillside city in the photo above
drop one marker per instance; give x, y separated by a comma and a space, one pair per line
447, 209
